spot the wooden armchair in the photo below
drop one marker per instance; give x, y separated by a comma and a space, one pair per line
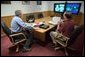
62, 40
65, 42
16, 39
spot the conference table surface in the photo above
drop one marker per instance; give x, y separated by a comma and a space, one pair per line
46, 20
40, 33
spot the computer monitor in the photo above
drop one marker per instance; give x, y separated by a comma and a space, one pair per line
74, 8
59, 7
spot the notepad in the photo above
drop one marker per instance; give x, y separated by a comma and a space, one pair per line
55, 20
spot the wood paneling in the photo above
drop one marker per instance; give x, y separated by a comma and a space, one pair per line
79, 19
7, 20
46, 13
82, 19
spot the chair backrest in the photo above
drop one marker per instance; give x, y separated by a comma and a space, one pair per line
30, 17
40, 15
6, 29
74, 35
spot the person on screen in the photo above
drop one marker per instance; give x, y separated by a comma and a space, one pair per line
17, 25
65, 27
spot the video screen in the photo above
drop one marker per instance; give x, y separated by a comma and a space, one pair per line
74, 8
59, 7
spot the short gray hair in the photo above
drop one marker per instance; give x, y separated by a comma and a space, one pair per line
18, 12
67, 12
68, 15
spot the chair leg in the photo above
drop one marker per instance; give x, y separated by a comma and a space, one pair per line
71, 48
66, 53
56, 48
17, 49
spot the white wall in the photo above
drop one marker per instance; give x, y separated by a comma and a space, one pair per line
45, 5
51, 5
9, 9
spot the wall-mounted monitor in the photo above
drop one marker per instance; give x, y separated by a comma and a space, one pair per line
74, 8
59, 7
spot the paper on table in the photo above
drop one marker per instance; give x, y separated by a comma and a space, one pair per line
32, 25
55, 20
29, 24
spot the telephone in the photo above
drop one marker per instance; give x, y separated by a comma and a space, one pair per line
44, 26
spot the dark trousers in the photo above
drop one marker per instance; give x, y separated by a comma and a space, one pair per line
29, 37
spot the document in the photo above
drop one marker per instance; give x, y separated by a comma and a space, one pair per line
55, 20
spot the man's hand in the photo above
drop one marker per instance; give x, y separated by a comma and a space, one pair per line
57, 27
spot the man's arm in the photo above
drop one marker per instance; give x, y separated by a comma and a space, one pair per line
22, 24
58, 25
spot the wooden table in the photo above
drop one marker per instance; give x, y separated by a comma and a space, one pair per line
40, 33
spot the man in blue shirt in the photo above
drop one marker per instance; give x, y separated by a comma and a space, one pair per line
16, 26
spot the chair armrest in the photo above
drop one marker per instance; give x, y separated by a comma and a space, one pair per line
62, 43
17, 34
62, 40
62, 37
66, 38
14, 44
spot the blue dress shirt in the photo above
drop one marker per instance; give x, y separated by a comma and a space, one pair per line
17, 23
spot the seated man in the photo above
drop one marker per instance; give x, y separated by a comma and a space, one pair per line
16, 26
65, 27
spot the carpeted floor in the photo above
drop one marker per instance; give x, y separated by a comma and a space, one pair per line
37, 49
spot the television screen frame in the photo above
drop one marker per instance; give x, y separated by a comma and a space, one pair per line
78, 8
55, 6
